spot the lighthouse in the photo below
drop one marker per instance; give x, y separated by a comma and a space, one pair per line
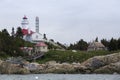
37, 24
25, 23
30, 35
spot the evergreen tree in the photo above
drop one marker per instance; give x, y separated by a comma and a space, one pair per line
118, 43
44, 37
113, 45
19, 33
11, 45
52, 40
0, 41
82, 45
71, 46
61, 45
5, 32
13, 32
105, 42
6, 42
96, 40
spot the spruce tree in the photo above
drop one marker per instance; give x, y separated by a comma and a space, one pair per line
118, 43
113, 45
96, 40
19, 33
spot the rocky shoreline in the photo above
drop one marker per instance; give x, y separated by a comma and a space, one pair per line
107, 64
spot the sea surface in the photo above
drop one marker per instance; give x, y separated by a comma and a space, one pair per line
61, 77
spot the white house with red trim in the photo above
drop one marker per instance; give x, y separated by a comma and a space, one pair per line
34, 37
41, 47
30, 35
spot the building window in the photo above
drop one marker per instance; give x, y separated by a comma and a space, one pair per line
36, 36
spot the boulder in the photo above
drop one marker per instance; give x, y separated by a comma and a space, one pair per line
8, 68
111, 68
100, 61
94, 62
53, 67
32, 66
1, 62
112, 58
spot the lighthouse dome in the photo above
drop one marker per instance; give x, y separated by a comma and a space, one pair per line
24, 17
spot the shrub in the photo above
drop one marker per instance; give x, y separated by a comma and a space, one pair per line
69, 56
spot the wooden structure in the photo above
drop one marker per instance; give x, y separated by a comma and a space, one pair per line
96, 46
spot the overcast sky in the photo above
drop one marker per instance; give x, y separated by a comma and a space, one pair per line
66, 21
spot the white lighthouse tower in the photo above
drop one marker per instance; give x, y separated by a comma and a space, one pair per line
28, 34
25, 23
25, 29
37, 24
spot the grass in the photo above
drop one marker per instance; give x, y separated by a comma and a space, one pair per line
66, 56
69, 56
3, 55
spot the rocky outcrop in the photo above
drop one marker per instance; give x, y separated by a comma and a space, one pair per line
98, 64
1, 62
53, 67
8, 68
100, 61
111, 68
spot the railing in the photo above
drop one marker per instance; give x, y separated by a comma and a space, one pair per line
34, 56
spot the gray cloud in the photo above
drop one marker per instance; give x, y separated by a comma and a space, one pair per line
65, 20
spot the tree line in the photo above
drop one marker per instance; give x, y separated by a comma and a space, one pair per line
112, 44
10, 44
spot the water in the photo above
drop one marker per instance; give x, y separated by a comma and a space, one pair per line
60, 77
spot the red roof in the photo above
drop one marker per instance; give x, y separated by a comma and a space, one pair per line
41, 44
25, 32
26, 48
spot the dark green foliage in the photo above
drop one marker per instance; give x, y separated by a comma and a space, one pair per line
105, 42
3, 55
113, 45
13, 32
118, 43
19, 33
5, 32
61, 45
71, 46
80, 45
10, 46
96, 40
51, 46
44, 37
69, 56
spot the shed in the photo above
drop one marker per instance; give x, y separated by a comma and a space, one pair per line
41, 47
96, 46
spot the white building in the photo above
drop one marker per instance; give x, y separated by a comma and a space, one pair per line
41, 47
34, 36
30, 35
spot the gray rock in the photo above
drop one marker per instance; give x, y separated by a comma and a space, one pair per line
111, 68
8, 68
100, 61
